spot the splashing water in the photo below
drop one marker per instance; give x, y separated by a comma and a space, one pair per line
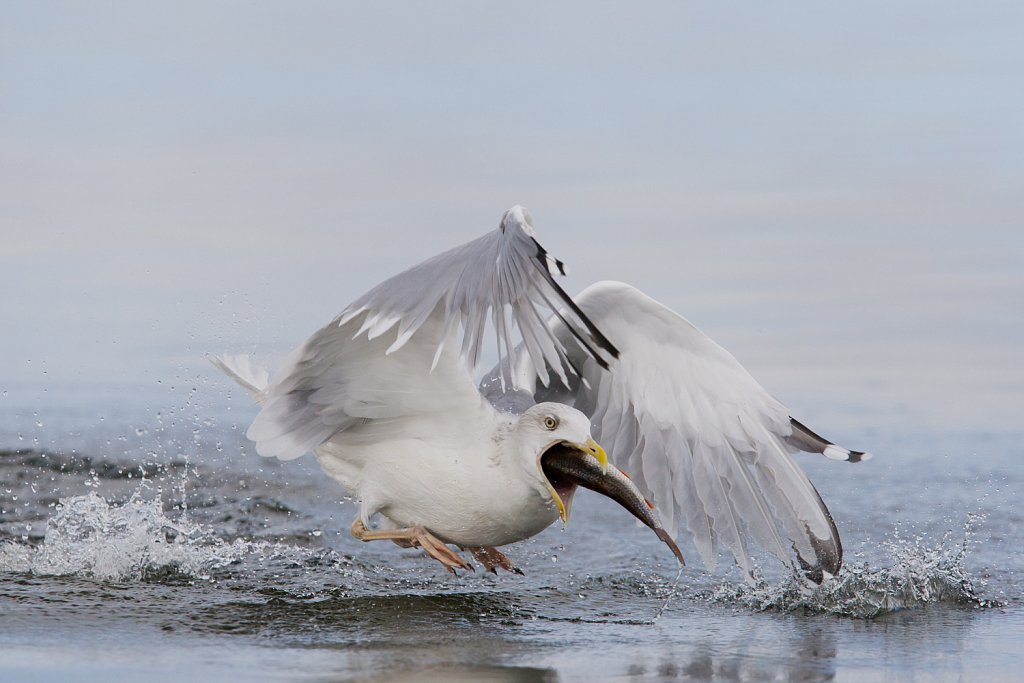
920, 574
145, 539
135, 541
90, 537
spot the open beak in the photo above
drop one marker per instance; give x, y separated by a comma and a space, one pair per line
566, 466
595, 450
562, 490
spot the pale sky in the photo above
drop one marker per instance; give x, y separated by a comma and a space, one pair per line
834, 193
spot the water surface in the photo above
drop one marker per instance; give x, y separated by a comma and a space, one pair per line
156, 545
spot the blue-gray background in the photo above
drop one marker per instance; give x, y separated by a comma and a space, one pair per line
832, 192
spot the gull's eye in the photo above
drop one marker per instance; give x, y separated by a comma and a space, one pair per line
550, 422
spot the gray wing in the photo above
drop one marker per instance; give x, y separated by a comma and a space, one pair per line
393, 356
707, 444
505, 272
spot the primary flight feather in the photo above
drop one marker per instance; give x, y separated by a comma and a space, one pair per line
384, 396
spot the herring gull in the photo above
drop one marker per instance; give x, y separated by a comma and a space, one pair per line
384, 396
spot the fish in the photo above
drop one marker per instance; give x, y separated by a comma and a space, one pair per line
566, 467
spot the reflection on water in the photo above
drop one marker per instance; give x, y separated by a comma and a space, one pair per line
400, 618
457, 674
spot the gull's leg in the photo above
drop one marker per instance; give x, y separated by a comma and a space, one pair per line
414, 537
492, 558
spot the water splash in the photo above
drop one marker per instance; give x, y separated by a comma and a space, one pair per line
920, 574
136, 541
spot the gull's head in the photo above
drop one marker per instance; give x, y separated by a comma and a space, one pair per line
546, 425
518, 218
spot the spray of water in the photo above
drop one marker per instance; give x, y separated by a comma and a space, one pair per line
136, 541
917, 573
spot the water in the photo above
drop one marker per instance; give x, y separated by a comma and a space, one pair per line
153, 544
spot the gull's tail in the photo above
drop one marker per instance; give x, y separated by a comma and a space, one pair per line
240, 368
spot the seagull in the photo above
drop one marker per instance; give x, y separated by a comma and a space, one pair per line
384, 395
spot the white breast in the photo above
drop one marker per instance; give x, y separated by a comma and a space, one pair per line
467, 495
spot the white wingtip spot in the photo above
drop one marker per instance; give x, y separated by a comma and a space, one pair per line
836, 452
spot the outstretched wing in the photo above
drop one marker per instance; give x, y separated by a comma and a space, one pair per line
504, 272
700, 436
339, 379
393, 354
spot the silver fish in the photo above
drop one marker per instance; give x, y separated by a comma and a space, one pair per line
565, 467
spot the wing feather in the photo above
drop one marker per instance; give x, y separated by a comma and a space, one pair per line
394, 354
334, 382
711, 448
504, 275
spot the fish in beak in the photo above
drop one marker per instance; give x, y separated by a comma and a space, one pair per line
566, 466
561, 488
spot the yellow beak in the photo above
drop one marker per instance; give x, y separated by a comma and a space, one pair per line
593, 448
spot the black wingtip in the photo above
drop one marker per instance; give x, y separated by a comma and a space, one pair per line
804, 439
828, 553
596, 335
